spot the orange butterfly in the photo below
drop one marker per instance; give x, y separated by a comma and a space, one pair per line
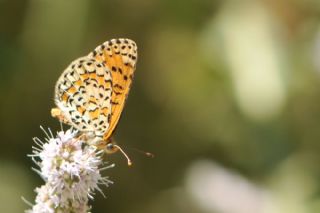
92, 91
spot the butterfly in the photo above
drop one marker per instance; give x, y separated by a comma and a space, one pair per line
91, 92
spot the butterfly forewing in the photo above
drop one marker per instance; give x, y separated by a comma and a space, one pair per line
83, 94
120, 57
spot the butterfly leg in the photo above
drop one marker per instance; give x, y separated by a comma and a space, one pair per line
56, 113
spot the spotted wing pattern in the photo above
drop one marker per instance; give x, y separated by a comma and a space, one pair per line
83, 94
119, 56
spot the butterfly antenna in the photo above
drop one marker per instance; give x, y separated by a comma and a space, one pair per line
61, 126
148, 154
121, 150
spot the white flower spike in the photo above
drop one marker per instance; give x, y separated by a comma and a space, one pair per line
71, 169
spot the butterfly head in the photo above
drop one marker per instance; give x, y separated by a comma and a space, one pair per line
111, 147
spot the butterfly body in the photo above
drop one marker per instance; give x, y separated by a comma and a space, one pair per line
91, 92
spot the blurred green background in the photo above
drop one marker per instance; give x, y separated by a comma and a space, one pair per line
226, 95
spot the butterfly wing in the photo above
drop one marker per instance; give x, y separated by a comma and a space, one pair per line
83, 94
120, 56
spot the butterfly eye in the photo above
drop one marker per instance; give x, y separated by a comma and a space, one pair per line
111, 148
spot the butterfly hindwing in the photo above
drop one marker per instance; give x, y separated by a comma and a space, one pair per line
83, 94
